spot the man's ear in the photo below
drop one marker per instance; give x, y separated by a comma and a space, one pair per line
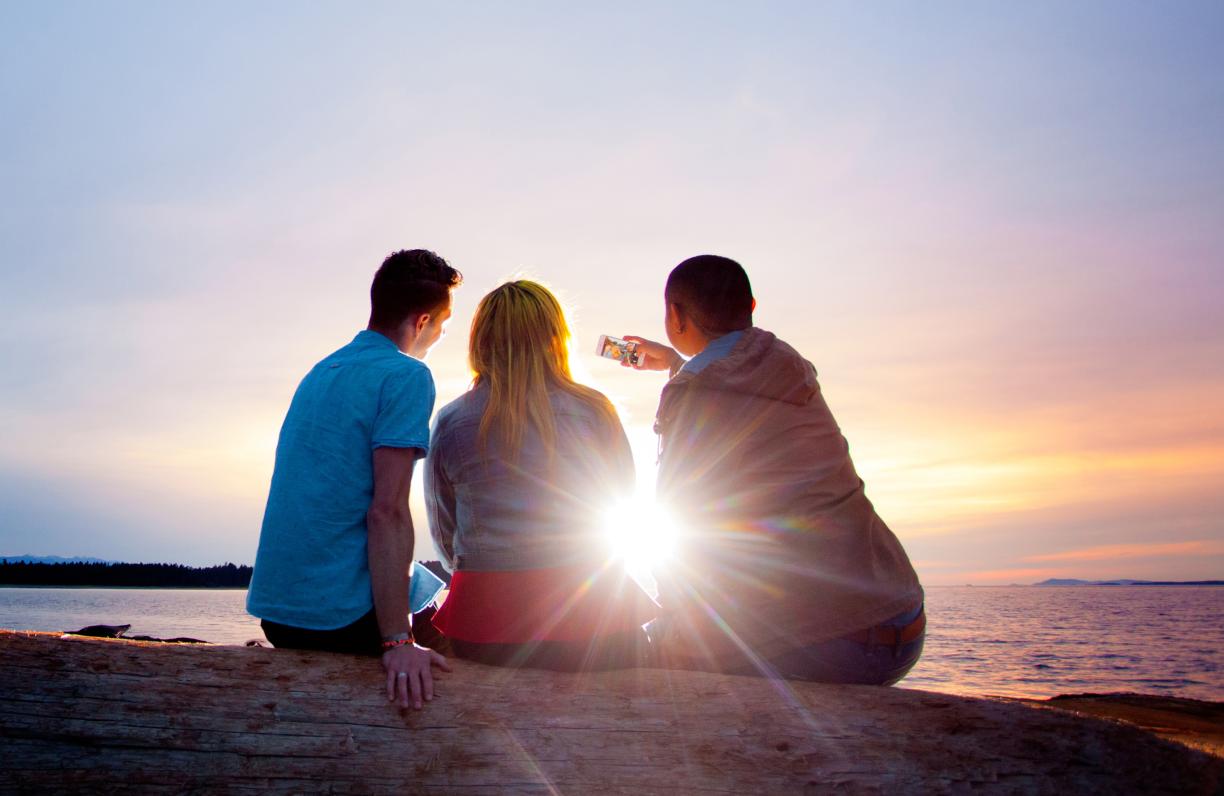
422, 321
753, 306
676, 312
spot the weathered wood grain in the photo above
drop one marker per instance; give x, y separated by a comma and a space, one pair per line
108, 715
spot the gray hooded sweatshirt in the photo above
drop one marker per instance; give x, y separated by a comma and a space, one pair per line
782, 548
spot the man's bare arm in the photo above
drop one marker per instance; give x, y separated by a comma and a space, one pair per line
390, 549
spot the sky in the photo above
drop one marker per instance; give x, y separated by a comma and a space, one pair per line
995, 229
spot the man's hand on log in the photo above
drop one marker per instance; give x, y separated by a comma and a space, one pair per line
410, 675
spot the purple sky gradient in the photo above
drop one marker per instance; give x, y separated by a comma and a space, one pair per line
995, 231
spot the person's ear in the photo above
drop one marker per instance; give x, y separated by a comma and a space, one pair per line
676, 314
422, 321
753, 306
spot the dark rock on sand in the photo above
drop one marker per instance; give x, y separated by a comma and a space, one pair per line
101, 631
118, 631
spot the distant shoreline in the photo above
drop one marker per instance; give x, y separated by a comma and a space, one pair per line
1076, 584
1187, 584
24, 574
123, 575
1127, 582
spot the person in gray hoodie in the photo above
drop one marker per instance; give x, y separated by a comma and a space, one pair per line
784, 568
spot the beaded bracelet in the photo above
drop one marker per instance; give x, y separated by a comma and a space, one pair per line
398, 640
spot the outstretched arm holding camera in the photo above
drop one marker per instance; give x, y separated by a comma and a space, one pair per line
686, 332
653, 356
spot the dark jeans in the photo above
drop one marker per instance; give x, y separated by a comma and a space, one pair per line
842, 660
620, 651
360, 638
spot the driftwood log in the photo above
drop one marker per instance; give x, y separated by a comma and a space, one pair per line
113, 715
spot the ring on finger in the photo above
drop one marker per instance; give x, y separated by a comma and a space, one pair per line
402, 674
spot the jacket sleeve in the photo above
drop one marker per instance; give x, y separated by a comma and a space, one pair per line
674, 425
440, 504
704, 486
684, 456
621, 456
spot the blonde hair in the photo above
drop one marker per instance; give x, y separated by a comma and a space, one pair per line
519, 347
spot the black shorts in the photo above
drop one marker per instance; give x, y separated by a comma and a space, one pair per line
360, 638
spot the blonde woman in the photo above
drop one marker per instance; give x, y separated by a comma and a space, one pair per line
519, 474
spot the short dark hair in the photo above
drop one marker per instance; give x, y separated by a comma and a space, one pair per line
409, 283
713, 292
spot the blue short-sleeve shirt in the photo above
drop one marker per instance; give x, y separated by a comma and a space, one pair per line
311, 569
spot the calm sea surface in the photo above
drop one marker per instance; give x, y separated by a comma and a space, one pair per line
1014, 641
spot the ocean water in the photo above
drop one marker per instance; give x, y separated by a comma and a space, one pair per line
1010, 641
1040, 641
216, 615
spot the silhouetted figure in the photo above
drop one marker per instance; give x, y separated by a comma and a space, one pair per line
785, 569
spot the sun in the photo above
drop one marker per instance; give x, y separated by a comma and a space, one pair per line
641, 533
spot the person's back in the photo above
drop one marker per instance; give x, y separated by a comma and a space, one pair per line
785, 566
524, 466
540, 509
335, 548
311, 569
753, 458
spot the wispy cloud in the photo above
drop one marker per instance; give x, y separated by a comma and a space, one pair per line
1117, 551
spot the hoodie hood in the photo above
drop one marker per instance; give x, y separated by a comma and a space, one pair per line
760, 365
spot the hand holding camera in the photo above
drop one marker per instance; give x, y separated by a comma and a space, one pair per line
639, 353
615, 348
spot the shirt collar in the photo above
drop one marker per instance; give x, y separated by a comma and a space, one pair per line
715, 350
371, 337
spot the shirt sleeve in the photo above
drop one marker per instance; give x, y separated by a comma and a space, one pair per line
406, 403
621, 455
440, 505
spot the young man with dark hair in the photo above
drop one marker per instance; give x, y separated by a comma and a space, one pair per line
332, 571
785, 569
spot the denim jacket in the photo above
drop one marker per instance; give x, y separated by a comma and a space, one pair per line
489, 513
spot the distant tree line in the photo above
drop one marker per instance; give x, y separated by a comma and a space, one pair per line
166, 576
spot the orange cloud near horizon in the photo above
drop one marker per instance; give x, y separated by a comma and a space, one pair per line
1004, 576
1120, 551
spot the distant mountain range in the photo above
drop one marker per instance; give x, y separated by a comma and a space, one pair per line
50, 560
1127, 582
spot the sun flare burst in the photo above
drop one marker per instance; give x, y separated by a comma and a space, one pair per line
641, 533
